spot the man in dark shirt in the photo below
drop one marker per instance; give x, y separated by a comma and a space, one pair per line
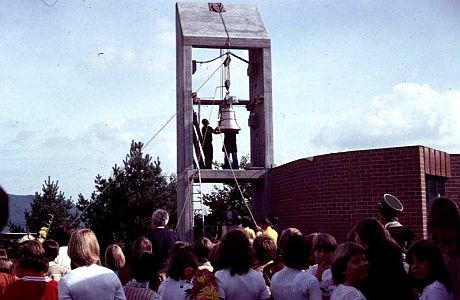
206, 132
162, 239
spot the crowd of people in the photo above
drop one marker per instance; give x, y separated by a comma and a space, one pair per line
381, 259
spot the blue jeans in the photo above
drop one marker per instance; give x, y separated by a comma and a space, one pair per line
235, 164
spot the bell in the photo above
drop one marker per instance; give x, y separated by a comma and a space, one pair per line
227, 119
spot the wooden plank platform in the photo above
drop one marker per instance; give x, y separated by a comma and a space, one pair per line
226, 176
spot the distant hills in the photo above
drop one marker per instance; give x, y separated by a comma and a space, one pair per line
18, 204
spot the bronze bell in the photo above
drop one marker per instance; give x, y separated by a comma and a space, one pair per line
227, 119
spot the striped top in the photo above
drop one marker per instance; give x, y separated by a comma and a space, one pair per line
138, 293
288, 284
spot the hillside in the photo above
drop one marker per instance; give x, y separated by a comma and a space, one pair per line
18, 204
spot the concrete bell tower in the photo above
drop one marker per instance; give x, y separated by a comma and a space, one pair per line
223, 26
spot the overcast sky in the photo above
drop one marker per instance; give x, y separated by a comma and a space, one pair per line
80, 79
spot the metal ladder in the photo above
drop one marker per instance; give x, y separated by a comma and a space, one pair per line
197, 200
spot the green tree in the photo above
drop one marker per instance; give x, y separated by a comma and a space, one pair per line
120, 209
228, 198
50, 205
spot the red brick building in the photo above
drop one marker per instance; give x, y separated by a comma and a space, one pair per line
330, 193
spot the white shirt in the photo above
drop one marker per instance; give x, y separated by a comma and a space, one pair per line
393, 224
290, 284
326, 284
435, 291
249, 286
63, 258
346, 292
171, 289
91, 282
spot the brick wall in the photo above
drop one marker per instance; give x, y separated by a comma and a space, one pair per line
330, 193
453, 183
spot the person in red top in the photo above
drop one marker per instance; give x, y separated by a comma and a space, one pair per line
6, 268
30, 268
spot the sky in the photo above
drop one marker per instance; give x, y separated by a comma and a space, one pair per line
81, 79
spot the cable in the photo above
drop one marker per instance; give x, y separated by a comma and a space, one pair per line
211, 60
240, 58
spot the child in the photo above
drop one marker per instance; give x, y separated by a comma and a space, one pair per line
324, 246
55, 270
349, 270
428, 272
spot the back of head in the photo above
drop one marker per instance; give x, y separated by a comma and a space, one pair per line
160, 217
264, 248
235, 252
427, 251
114, 257
265, 222
246, 221
342, 255
444, 224
180, 257
144, 266
296, 254
324, 241
62, 235
141, 244
83, 248
6, 265
3, 253
202, 248
285, 234
51, 249
32, 257
371, 233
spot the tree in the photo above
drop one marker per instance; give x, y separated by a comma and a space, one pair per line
120, 209
49, 209
228, 198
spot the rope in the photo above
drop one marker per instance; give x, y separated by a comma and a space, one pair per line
225, 27
237, 183
144, 146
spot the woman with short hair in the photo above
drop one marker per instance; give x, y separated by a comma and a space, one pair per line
114, 258
292, 282
324, 246
236, 280
88, 279
30, 268
349, 270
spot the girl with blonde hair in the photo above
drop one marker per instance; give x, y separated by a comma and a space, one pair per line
88, 279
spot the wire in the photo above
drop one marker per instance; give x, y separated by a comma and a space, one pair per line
211, 60
240, 58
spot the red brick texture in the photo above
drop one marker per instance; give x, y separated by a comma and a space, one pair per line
330, 193
453, 183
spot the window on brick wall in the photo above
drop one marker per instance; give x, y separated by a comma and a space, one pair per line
435, 187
